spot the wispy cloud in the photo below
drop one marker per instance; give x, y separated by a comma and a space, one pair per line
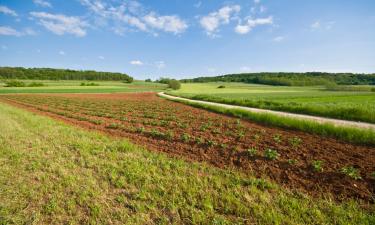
214, 20
315, 25
279, 39
136, 63
252, 23
61, 52
245, 69
198, 4
160, 65
42, 3
171, 24
318, 25
101, 57
9, 31
7, 11
131, 14
61, 24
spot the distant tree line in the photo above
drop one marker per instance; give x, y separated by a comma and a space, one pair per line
59, 74
292, 79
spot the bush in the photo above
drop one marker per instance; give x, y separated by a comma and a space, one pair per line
89, 84
221, 86
36, 84
14, 83
174, 84
148, 80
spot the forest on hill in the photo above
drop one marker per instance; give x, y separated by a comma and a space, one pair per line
292, 79
59, 74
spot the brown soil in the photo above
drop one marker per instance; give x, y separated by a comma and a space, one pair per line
198, 135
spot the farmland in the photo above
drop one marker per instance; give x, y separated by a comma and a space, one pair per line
198, 135
53, 173
74, 86
313, 100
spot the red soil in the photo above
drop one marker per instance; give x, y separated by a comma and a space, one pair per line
195, 134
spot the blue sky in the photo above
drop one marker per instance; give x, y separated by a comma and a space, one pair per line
189, 38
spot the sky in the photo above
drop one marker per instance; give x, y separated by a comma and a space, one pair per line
189, 38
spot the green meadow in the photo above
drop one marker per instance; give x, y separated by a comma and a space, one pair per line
312, 100
55, 173
74, 86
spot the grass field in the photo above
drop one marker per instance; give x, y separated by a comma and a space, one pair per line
348, 105
70, 86
55, 173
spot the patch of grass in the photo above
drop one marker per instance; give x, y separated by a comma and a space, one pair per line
55, 173
352, 135
355, 102
252, 152
271, 154
317, 165
292, 161
351, 172
295, 141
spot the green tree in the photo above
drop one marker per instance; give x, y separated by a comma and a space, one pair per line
174, 84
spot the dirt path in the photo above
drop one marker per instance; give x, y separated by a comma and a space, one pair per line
318, 119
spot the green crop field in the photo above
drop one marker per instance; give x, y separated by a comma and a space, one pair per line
349, 105
55, 173
74, 86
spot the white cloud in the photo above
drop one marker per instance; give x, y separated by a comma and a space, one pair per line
136, 62
171, 24
245, 69
329, 25
8, 31
212, 21
4, 47
211, 69
60, 24
42, 3
279, 38
198, 4
256, 1
252, 23
160, 64
61, 52
315, 25
132, 14
101, 57
262, 9
7, 11
29, 31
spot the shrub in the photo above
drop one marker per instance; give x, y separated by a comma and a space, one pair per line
295, 142
252, 152
14, 83
221, 86
271, 154
36, 84
148, 80
292, 161
174, 84
317, 166
351, 172
277, 138
185, 137
89, 84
